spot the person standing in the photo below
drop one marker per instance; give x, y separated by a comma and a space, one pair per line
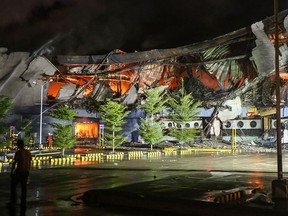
50, 140
20, 172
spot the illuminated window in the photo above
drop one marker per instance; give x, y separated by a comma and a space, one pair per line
86, 130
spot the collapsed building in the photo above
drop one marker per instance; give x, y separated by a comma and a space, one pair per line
233, 75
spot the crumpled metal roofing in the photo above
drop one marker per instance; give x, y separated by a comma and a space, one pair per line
216, 69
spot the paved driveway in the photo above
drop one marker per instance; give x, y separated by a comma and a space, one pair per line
57, 191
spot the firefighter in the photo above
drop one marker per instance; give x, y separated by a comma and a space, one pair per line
50, 140
13, 140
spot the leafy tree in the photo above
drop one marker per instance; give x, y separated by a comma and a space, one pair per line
5, 105
63, 113
25, 126
183, 109
150, 130
154, 102
113, 114
63, 135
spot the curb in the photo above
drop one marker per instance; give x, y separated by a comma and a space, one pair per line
112, 197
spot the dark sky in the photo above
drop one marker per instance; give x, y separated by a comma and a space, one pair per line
100, 26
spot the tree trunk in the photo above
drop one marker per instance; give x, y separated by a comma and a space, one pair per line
113, 140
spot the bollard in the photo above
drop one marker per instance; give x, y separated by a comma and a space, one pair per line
226, 198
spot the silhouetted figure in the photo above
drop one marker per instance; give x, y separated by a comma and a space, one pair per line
20, 172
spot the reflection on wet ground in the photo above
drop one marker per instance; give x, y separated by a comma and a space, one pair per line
57, 191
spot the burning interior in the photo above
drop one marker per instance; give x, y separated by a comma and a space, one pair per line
238, 64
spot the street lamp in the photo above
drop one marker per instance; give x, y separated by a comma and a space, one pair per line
41, 83
279, 186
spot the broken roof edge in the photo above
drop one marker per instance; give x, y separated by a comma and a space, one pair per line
236, 36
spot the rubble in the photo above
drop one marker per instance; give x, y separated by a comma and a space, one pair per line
245, 146
260, 196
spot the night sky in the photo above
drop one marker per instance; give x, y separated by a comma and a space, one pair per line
100, 26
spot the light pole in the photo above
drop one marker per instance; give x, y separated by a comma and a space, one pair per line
41, 83
41, 115
279, 186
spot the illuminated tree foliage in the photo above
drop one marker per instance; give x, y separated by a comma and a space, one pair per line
154, 102
183, 109
5, 106
113, 114
63, 135
150, 130
63, 113
25, 127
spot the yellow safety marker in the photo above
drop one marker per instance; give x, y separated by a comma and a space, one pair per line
233, 146
226, 198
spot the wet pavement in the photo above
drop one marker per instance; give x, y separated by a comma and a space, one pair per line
197, 177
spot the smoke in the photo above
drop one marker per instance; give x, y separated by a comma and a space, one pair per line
90, 26
99, 26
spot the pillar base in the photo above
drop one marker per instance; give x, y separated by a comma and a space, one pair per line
279, 190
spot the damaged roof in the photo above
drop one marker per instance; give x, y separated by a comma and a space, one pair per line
213, 70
